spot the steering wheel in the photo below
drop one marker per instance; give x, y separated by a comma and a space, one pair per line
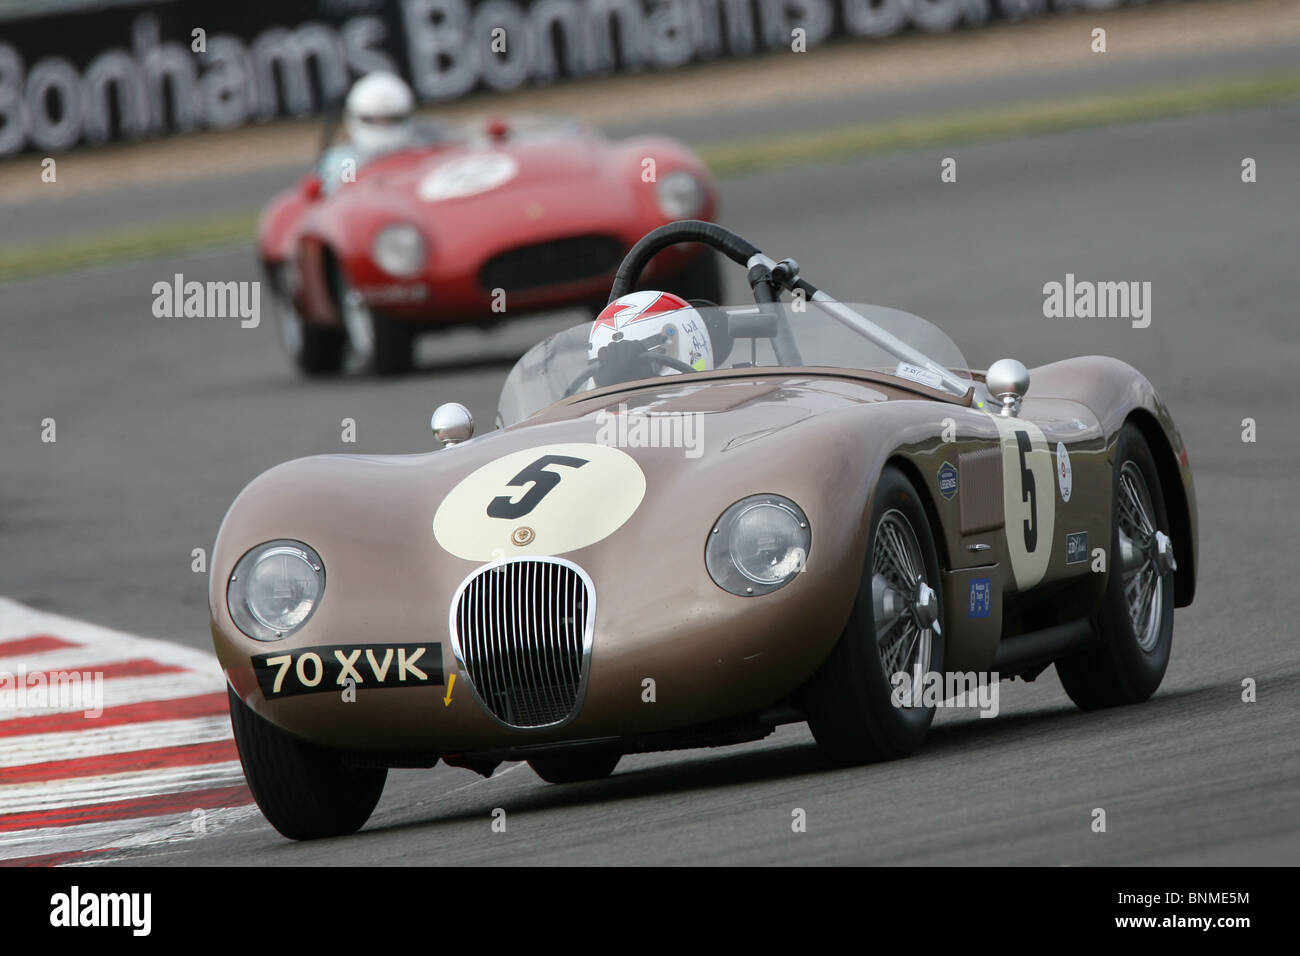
766, 278
631, 350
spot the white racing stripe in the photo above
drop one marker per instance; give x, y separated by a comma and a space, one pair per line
82, 743
119, 691
150, 735
17, 621
81, 658
83, 791
120, 834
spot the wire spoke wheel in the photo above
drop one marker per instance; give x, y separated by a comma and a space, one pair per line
1143, 584
866, 701
903, 642
360, 324
291, 336
1134, 619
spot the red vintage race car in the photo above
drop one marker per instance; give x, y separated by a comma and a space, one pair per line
472, 226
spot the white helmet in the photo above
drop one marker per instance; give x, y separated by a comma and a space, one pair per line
379, 114
640, 315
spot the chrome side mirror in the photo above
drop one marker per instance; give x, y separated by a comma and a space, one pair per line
1007, 381
452, 423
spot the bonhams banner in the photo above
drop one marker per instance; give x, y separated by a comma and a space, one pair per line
93, 71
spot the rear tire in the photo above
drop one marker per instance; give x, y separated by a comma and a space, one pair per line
304, 791
1125, 666
849, 700
574, 768
316, 350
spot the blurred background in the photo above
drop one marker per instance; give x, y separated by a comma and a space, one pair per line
1152, 142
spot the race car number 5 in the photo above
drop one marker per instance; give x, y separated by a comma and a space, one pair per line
545, 501
542, 482
1028, 490
1030, 516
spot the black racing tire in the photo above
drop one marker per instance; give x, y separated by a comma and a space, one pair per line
575, 767
304, 791
321, 354
1116, 669
394, 347
315, 350
848, 700
384, 345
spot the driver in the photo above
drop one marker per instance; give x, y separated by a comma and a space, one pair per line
379, 117
379, 114
644, 334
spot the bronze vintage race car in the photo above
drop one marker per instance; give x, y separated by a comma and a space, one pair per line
692, 524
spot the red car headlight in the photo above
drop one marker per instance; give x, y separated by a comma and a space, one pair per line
399, 250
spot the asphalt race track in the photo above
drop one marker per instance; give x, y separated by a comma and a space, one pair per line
162, 421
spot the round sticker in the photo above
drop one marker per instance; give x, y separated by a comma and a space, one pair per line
546, 500
1064, 476
467, 176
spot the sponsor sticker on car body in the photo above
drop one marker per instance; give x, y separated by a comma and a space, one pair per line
981, 598
948, 481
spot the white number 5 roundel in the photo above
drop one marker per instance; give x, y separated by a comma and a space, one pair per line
545, 500
1028, 499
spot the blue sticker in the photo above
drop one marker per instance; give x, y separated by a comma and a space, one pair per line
981, 593
1076, 547
948, 481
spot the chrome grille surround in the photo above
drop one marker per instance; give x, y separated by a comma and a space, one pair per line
521, 629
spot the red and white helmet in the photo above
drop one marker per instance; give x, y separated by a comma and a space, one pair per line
639, 315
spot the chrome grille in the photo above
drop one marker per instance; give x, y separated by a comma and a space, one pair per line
521, 630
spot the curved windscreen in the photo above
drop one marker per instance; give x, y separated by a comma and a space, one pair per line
871, 337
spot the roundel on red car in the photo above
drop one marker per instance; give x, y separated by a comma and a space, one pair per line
467, 176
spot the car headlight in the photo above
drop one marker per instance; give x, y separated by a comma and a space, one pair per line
680, 195
399, 250
275, 588
758, 545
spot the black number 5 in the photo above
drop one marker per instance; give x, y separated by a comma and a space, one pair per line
1028, 492
543, 481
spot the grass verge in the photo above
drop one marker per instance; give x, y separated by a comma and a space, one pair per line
733, 158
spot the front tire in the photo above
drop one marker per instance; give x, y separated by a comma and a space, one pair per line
857, 709
1135, 625
381, 344
575, 768
314, 349
304, 791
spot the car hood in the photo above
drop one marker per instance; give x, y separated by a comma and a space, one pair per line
660, 464
454, 175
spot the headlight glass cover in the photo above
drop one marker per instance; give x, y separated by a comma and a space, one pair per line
399, 250
680, 195
275, 588
758, 545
